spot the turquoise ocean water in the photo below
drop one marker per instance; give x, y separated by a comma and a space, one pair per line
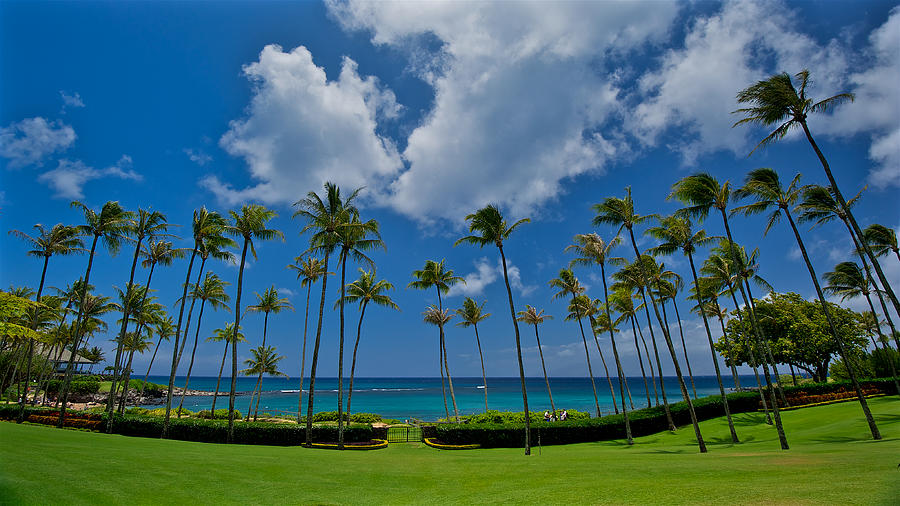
406, 398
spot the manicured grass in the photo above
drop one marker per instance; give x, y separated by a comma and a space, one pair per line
832, 460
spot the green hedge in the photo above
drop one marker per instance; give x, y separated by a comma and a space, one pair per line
884, 385
77, 386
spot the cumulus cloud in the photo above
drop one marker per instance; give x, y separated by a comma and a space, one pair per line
69, 177
73, 100
198, 156
32, 140
486, 274
302, 129
695, 85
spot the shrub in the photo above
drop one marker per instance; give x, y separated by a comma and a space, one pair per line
220, 414
84, 387
328, 416
493, 416
174, 412
365, 418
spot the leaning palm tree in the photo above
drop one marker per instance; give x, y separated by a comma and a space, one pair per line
615, 211
164, 328
226, 335
135, 342
534, 317
60, 240
434, 275
621, 301
594, 310
676, 233
776, 101
593, 250
881, 240
364, 290
309, 270
212, 291
667, 284
487, 226
765, 187
471, 314
701, 193
441, 317
324, 218
249, 224
265, 361
110, 224
567, 285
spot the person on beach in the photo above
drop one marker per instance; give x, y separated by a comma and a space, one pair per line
564, 416
546, 416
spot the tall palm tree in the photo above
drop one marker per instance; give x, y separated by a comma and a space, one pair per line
881, 240
212, 291
135, 342
324, 218
165, 329
144, 310
615, 211
667, 284
622, 302
676, 233
309, 270
58, 240
226, 335
487, 226
368, 288
471, 314
141, 225
110, 224
441, 317
265, 361
591, 250
268, 302
701, 193
594, 310
355, 237
532, 316
775, 100
819, 207
764, 186
603, 323
435, 275
567, 285
249, 224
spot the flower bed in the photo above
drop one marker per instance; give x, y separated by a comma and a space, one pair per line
375, 444
825, 403
74, 422
434, 443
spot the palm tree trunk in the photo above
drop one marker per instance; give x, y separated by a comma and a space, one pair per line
662, 384
258, 397
237, 329
146, 376
873, 428
315, 357
259, 380
754, 362
587, 357
447, 370
612, 392
767, 350
512, 312
544, 367
441, 365
619, 372
641, 362
30, 351
64, 396
187, 325
126, 383
340, 409
212, 410
757, 335
793, 374
884, 309
684, 348
885, 346
840, 198
483, 376
303, 355
126, 309
187, 380
362, 313
171, 388
684, 393
712, 349
628, 390
250, 406
143, 299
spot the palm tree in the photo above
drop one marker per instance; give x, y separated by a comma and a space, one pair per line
592, 311
569, 286
602, 322
110, 224
165, 328
324, 217
623, 303
471, 314
765, 187
364, 290
268, 302
487, 226
434, 275
265, 361
250, 223
616, 211
702, 192
593, 250
309, 270
441, 317
881, 240
134, 342
667, 284
776, 100
59, 240
676, 233
226, 335
211, 290
534, 317
144, 310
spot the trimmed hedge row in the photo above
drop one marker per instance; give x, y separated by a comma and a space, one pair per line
883, 385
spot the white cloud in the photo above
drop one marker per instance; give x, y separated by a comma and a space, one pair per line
287, 291
69, 177
32, 140
198, 156
696, 85
302, 130
486, 274
70, 100
518, 99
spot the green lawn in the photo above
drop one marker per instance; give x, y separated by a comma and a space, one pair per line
832, 460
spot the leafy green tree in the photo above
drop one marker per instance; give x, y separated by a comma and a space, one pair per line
532, 316
471, 314
309, 270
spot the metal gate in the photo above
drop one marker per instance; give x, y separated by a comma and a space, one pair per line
404, 434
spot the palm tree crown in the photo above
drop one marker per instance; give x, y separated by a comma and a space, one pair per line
532, 316
764, 186
881, 239
59, 240
269, 302
471, 313
368, 288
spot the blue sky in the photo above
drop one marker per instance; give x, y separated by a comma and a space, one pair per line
437, 109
